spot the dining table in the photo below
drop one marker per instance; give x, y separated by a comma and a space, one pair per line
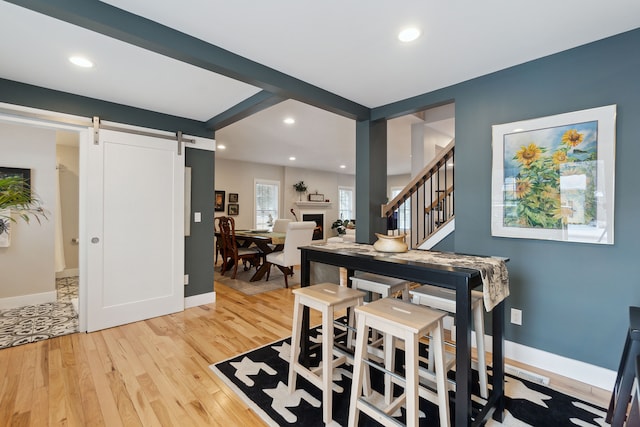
267, 241
459, 272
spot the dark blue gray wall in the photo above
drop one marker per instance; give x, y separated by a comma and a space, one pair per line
198, 247
574, 297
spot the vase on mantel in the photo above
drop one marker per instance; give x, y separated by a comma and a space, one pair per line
392, 244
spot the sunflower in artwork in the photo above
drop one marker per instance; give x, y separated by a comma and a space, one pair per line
572, 138
523, 187
560, 157
529, 154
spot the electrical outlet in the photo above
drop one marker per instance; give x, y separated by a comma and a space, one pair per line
186, 279
516, 316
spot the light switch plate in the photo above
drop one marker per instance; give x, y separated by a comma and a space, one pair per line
516, 316
197, 217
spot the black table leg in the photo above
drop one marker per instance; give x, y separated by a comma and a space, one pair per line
498, 360
305, 279
463, 354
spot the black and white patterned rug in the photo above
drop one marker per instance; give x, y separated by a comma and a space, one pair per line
259, 377
39, 322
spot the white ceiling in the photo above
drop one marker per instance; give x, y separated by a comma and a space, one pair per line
348, 48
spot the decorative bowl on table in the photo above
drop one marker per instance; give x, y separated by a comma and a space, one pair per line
393, 244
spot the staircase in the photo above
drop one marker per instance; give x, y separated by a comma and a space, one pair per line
424, 209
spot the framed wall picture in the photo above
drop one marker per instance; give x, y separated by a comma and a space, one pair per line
219, 201
233, 209
553, 177
316, 197
25, 174
233, 197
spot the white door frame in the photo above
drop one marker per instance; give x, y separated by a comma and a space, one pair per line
28, 116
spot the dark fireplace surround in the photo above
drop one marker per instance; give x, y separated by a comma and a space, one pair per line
318, 232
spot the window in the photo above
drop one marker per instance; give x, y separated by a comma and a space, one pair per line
346, 209
404, 212
267, 202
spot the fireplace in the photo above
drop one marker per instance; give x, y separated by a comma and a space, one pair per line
318, 232
317, 212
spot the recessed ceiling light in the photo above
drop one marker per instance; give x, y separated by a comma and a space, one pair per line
409, 34
81, 61
292, 158
221, 146
289, 120
343, 166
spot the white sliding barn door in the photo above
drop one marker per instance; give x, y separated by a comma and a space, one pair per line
134, 229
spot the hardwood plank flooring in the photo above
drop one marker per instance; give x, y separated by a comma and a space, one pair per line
155, 372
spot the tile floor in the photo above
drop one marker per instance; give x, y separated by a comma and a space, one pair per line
38, 322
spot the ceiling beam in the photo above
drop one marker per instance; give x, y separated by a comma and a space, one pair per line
258, 102
136, 30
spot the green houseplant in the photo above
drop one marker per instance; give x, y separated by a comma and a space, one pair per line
340, 226
300, 188
16, 198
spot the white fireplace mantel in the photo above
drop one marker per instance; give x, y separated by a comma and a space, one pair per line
316, 208
313, 205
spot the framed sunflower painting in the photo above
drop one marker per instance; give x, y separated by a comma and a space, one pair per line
553, 177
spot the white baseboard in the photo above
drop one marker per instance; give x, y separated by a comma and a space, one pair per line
69, 272
31, 299
200, 299
560, 365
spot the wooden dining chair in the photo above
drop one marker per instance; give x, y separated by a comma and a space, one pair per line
298, 234
219, 242
230, 250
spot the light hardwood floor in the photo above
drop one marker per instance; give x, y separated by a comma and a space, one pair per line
155, 372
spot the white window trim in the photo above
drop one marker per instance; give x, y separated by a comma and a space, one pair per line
353, 199
257, 181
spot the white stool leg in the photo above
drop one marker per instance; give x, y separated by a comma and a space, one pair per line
295, 344
389, 364
350, 326
411, 372
478, 324
358, 366
327, 364
441, 380
405, 293
375, 336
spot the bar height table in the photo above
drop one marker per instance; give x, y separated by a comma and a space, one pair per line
461, 279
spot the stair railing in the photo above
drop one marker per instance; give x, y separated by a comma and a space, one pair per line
426, 203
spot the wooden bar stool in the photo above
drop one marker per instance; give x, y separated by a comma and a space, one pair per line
397, 319
445, 300
380, 287
326, 298
621, 395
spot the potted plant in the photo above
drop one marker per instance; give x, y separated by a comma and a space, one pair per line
300, 188
16, 198
340, 226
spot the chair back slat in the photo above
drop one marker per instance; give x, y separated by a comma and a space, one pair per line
228, 234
